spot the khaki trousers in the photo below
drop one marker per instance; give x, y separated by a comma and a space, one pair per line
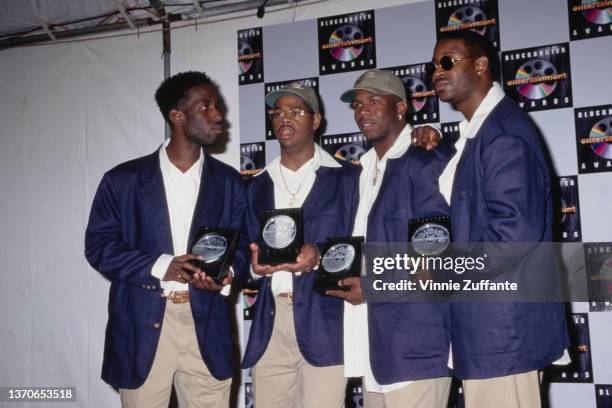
282, 378
432, 393
178, 361
512, 391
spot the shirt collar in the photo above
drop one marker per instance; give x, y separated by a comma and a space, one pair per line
491, 99
195, 171
399, 147
320, 158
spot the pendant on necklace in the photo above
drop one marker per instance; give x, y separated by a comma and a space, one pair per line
291, 200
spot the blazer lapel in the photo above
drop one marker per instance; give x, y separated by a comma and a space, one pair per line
207, 204
154, 199
265, 195
384, 183
318, 189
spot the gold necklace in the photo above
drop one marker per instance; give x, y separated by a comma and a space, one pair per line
292, 195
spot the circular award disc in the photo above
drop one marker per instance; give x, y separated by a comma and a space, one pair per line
430, 239
279, 231
602, 130
338, 258
348, 32
211, 247
536, 68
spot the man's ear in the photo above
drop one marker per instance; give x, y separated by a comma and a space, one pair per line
176, 117
316, 120
401, 107
482, 64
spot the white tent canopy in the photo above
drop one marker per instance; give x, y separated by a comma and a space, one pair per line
26, 22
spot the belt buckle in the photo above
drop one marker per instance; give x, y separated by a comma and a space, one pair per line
178, 297
286, 295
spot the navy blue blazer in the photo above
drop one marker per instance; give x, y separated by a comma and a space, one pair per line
408, 340
501, 193
329, 211
129, 228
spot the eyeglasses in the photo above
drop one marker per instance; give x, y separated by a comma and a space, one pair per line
294, 113
446, 63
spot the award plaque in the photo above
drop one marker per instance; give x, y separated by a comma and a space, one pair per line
281, 235
216, 246
429, 236
341, 259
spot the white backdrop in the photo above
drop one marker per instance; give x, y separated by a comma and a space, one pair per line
68, 113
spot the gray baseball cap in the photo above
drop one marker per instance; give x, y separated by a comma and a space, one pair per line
305, 93
379, 82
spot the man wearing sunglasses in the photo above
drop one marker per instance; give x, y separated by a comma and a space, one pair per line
295, 342
498, 188
399, 348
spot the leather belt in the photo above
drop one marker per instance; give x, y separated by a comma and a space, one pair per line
178, 297
286, 295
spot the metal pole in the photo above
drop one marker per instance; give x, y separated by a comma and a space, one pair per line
166, 54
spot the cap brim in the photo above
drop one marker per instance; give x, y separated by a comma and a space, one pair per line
349, 95
273, 96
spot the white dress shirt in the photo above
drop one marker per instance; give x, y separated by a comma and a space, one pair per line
468, 130
181, 195
356, 341
290, 190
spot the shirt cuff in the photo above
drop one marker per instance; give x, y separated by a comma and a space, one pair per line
160, 267
254, 275
564, 360
227, 288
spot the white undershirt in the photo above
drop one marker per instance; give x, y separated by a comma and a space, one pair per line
300, 183
356, 341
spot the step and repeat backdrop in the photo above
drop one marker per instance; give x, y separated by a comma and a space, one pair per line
556, 64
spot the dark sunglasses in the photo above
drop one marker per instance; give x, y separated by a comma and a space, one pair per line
446, 63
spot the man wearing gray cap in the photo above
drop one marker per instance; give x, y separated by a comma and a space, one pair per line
399, 348
295, 342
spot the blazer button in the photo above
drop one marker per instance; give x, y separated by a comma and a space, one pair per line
157, 325
272, 312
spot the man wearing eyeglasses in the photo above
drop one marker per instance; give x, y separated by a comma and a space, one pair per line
498, 187
399, 348
295, 342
